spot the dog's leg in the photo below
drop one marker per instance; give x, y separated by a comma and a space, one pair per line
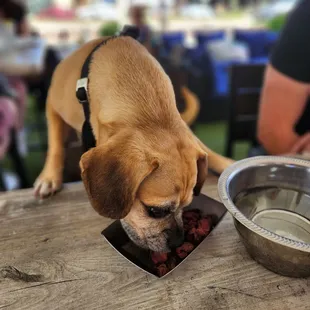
50, 179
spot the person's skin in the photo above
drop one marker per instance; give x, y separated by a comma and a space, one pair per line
138, 18
302, 146
24, 28
282, 104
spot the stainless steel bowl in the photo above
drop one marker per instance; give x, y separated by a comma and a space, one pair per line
269, 199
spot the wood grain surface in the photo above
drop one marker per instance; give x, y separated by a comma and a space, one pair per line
52, 256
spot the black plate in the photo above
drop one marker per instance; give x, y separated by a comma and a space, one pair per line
118, 239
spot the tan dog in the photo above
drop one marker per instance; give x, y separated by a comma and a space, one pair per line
147, 163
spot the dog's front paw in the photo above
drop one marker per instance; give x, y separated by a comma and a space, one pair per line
47, 185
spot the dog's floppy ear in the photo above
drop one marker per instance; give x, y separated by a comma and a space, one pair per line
202, 171
112, 174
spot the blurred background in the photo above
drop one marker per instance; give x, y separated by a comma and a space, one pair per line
214, 48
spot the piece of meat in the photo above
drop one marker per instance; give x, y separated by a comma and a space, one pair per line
159, 258
184, 249
195, 235
190, 224
190, 219
191, 215
201, 233
196, 228
162, 269
204, 225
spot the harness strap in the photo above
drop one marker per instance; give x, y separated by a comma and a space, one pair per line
82, 94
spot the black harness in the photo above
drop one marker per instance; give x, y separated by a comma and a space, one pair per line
82, 95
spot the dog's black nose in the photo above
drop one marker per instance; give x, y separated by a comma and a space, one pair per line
175, 238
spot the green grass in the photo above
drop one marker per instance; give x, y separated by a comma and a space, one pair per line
34, 160
231, 15
34, 163
214, 136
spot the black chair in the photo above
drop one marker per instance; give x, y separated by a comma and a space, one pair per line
38, 87
2, 183
246, 81
179, 77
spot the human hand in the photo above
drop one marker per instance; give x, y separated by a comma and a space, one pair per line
302, 145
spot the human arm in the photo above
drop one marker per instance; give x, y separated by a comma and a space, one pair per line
287, 84
282, 103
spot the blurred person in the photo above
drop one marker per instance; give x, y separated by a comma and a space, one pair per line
163, 13
65, 47
14, 13
137, 14
8, 114
284, 116
38, 84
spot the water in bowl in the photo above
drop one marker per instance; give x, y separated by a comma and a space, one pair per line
281, 211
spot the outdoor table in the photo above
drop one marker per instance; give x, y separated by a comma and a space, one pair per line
52, 256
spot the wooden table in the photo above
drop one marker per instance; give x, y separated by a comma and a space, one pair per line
64, 263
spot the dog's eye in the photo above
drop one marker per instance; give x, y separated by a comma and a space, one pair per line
157, 212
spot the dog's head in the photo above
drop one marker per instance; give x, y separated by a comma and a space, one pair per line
146, 185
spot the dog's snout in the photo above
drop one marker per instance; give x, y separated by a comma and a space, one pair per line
175, 238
